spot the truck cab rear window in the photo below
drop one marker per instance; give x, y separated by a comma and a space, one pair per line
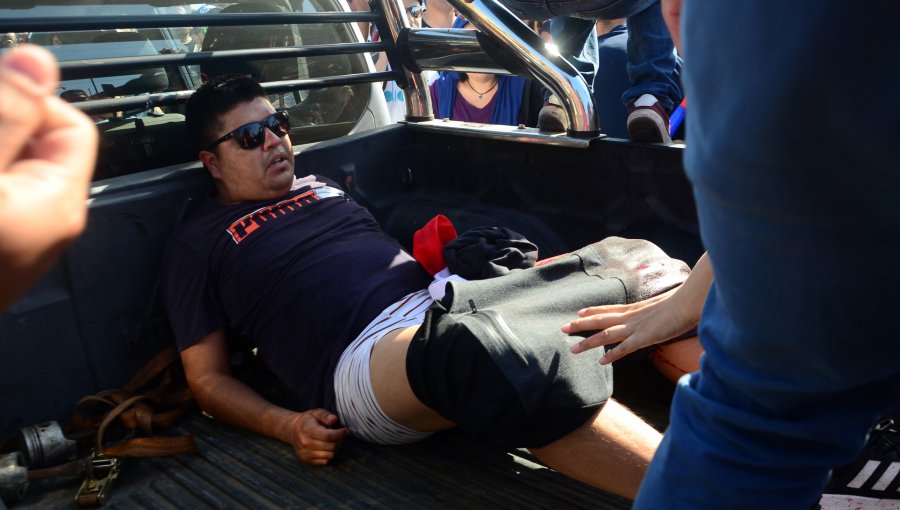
145, 136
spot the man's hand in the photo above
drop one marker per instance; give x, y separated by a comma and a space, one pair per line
46, 160
313, 439
231, 401
671, 10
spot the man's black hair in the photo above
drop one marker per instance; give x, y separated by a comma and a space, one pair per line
215, 98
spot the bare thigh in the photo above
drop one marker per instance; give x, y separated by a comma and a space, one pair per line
678, 358
387, 366
611, 451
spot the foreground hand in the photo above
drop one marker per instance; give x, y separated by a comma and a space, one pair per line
313, 439
46, 160
636, 326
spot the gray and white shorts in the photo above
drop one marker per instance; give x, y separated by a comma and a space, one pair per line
356, 404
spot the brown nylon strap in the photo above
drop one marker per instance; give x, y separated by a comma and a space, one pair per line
164, 386
112, 415
137, 411
174, 397
96, 399
73, 468
83, 421
168, 392
151, 369
167, 418
88, 500
142, 416
152, 447
114, 395
143, 446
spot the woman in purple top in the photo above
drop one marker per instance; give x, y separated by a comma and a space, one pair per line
484, 98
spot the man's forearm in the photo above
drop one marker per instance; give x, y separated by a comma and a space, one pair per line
233, 402
671, 10
311, 433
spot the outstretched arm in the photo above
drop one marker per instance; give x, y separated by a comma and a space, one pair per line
647, 322
671, 10
46, 160
232, 401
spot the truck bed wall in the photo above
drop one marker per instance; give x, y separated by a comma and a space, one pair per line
561, 198
97, 317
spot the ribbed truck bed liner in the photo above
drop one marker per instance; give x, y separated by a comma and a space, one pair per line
235, 469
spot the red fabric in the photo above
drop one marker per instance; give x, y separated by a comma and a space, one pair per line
549, 260
429, 241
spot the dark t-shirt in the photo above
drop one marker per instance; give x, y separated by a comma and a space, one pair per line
297, 277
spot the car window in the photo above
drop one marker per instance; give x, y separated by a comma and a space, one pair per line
119, 43
310, 110
316, 114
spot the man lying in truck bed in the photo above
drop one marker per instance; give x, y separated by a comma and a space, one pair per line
303, 273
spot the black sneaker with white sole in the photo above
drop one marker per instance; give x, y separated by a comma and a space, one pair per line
648, 121
872, 481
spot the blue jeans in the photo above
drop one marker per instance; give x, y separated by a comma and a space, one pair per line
796, 192
651, 57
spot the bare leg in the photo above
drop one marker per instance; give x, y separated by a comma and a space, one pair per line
391, 386
678, 358
610, 451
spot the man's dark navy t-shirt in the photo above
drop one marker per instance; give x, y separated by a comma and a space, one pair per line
297, 277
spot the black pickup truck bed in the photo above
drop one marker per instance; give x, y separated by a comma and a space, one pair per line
404, 175
237, 469
234, 469
96, 317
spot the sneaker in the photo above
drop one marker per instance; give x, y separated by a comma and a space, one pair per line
648, 121
552, 117
872, 481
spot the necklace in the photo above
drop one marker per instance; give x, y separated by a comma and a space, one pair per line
481, 94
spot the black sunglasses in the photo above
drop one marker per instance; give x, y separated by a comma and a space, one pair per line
252, 135
416, 11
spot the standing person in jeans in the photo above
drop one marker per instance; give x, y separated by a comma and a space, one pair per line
612, 79
654, 90
798, 210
